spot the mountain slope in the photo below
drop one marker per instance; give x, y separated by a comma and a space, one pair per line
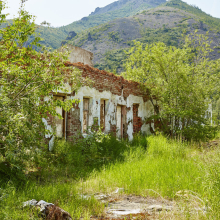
118, 9
208, 19
52, 37
166, 23
135, 5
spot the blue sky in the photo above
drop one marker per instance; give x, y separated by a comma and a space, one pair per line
64, 12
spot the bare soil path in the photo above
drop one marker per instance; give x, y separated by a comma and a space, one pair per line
133, 207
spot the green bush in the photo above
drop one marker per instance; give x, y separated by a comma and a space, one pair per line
95, 150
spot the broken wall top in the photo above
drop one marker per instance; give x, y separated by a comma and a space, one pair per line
78, 54
105, 81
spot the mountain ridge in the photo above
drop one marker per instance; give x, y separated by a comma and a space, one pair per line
109, 30
127, 8
119, 4
166, 23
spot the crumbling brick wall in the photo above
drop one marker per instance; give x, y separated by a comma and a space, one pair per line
73, 122
137, 122
103, 81
117, 85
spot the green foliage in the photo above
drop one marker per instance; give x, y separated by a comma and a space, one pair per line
148, 166
26, 78
183, 80
95, 34
112, 61
114, 36
164, 166
212, 185
63, 195
216, 111
90, 152
52, 37
169, 36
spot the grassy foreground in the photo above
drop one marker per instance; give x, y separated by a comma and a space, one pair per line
148, 166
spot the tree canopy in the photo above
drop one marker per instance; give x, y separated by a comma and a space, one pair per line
183, 82
26, 78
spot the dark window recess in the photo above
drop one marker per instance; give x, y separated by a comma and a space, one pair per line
102, 115
85, 114
137, 123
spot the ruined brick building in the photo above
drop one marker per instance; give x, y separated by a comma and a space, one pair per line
113, 103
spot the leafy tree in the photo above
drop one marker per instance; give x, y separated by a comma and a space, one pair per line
182, 82
27, 77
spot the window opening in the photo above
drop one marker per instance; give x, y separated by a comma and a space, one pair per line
85, 115
121, 121
137, 124
60, 123
102, 114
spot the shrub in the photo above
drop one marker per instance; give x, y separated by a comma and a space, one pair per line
95, 149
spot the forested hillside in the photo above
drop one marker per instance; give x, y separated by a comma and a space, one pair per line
208, 19
109, 30
118, 9
167, 23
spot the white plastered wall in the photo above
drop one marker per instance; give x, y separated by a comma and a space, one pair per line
145, 108
66, 89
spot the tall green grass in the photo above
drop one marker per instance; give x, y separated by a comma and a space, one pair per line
211, 183
149, 166
61, 194
165, 167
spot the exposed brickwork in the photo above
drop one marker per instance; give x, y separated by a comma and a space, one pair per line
73, 122
113, 129
124, 122
102, 115
110, 82
117, 85
137, 123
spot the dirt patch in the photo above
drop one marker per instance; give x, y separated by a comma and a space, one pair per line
133, 207
119, 206
212, 144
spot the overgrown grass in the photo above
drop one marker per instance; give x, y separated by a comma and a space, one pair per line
166, 167
148, 166
61, 194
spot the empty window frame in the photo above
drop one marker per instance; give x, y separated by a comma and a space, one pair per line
60, 123
121, 116
102, 114
137, 124
119, 121
85, 114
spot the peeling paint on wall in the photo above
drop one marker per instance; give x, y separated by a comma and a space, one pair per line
145, 109
107, 94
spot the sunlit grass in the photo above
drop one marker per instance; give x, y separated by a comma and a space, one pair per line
63, 195
165, 167
149, 166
